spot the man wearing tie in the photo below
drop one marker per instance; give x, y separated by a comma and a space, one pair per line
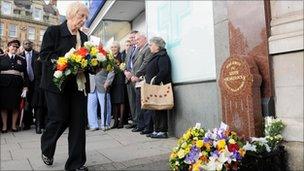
132, 52
30, 55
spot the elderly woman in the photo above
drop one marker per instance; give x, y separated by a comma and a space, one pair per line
118, 89
66, 108
160, 68
13, 78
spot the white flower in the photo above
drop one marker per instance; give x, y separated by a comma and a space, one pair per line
261, 140
70, 52
88, 44
100, 57
58, 74
249, 147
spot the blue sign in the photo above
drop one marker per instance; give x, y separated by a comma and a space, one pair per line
94, 8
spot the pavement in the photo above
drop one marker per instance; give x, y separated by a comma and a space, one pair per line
115, 149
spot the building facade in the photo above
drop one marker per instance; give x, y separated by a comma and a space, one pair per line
26, 19
201, 35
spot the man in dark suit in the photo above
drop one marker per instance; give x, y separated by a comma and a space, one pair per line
66, 108
30, 56
131, 53
139, 65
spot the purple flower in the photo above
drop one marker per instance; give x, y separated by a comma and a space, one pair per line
193, 155
236, 155
215, 153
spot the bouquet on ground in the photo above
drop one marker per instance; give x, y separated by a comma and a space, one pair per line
89, 58
198, 150
272, 139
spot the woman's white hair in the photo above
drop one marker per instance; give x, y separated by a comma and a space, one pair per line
73, 9
115, 43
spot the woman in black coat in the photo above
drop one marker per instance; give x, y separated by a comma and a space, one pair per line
160, 68
118, 89
13, 83
66, 108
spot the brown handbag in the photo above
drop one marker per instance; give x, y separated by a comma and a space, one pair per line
156, 97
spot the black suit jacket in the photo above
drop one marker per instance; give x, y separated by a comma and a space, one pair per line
35, 55
57, 41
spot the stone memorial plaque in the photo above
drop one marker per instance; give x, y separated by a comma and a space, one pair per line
240, 83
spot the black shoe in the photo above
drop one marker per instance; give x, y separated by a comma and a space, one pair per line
4, 131
137, 130
15, 130
119, 126
38, 130
160, 135
145, 132
46, 160
130, 126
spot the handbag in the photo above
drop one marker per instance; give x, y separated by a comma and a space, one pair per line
156, 97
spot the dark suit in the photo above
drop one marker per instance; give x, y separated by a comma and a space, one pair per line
66, 108
130, 86
139, 66
28, 114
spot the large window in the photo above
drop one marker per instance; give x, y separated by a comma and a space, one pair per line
6, 8
1, 29
41, 34
37, 14
12, 30
188, 29
31, 33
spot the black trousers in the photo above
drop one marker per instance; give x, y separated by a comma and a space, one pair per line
139, 112
66, 110
28, 112
161, 121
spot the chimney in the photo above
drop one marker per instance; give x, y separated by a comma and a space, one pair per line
53, 2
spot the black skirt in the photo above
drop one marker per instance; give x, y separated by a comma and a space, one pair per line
118, 93
10, 97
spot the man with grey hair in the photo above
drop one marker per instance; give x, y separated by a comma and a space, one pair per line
139, 65
66, 107
131, 53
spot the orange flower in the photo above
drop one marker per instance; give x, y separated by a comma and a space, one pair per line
82, 51
61, 67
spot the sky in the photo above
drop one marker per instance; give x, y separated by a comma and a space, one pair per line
61, 5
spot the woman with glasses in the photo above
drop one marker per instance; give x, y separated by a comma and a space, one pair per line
13, 83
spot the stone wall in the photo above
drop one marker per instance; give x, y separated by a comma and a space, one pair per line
286, 52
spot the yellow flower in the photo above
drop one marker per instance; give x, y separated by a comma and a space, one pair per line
232, 141
62, 61
94, 51
242, 152
208, 146
187, 150
173, 155
187, 135
94, 62
184, 145
221, 144
78, 58
197, 165
199, 143
181, 153
109, 68
84, 63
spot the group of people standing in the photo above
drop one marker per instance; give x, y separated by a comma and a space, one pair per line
19, 79
115, 92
